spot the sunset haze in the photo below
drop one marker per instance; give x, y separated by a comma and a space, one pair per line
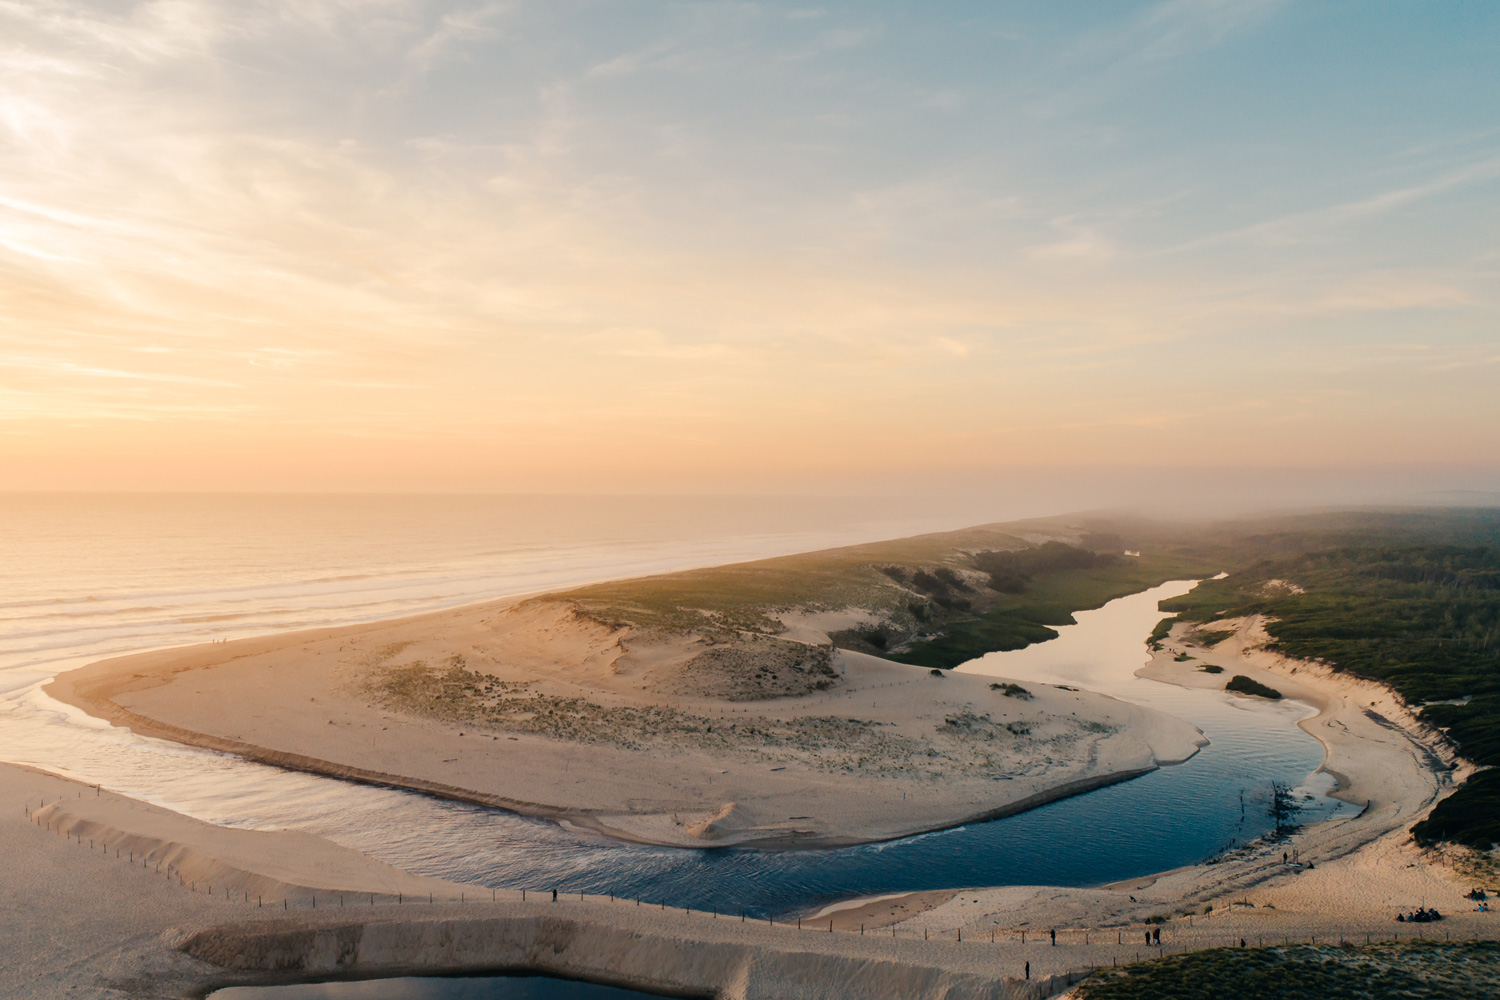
398, 245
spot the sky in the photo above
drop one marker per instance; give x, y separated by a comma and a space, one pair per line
737, 247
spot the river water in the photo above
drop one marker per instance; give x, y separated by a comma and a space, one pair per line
93, 578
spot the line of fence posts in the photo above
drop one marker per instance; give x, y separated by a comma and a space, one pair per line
1162, 948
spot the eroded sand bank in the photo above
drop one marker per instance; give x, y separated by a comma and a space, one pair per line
643, 736
99, 924
1352, 874
155, 920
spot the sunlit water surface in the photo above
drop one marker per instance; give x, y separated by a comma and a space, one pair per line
87, 578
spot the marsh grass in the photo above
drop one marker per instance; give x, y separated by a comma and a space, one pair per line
1246, 685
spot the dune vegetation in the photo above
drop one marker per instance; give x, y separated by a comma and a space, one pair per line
1416, 609
1241, 684
933, 600
1418, 970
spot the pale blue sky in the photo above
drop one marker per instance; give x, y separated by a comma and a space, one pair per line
382, 244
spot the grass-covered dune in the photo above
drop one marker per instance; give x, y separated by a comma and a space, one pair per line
1412, 601
1410, 598
933, 600
1417, 970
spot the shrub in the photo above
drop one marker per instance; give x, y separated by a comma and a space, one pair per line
1244, 685
1010, 572
1472, 818
1159, 633
952, 579
1012, 690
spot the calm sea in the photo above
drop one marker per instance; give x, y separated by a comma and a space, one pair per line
83, 577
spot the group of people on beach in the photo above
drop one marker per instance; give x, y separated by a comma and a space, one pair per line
1426, 916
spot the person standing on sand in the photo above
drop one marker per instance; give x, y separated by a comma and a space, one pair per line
1054, 937
1028, 970
554, 895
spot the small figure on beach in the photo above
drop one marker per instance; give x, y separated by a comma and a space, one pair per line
1242, 942
554, 895
1156, 934
1419, 916
1028, 970
1054, 937
1148, 937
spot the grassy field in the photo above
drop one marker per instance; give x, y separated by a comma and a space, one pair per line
1414, 605
939, 599
1410, 970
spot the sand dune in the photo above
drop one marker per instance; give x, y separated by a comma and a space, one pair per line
1355, 872
150, 935
644, 735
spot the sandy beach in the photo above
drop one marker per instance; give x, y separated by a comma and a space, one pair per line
113, 898
551, 713
1351, 875
175, 906
220, 906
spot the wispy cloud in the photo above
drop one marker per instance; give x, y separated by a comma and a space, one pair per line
1317, 224
540, 229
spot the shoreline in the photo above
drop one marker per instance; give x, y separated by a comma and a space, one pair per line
307, 765
1382, 761
1362, 872
150, 935
809, 799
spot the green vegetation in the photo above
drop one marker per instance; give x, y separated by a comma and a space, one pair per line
1159, 633
1470, 816
1011, 572
1244, 685
1210, 639
1410, 600
1012, 691
937, 595
1183, 657
878, 576
1210, 668
1413, 970
1015, 620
